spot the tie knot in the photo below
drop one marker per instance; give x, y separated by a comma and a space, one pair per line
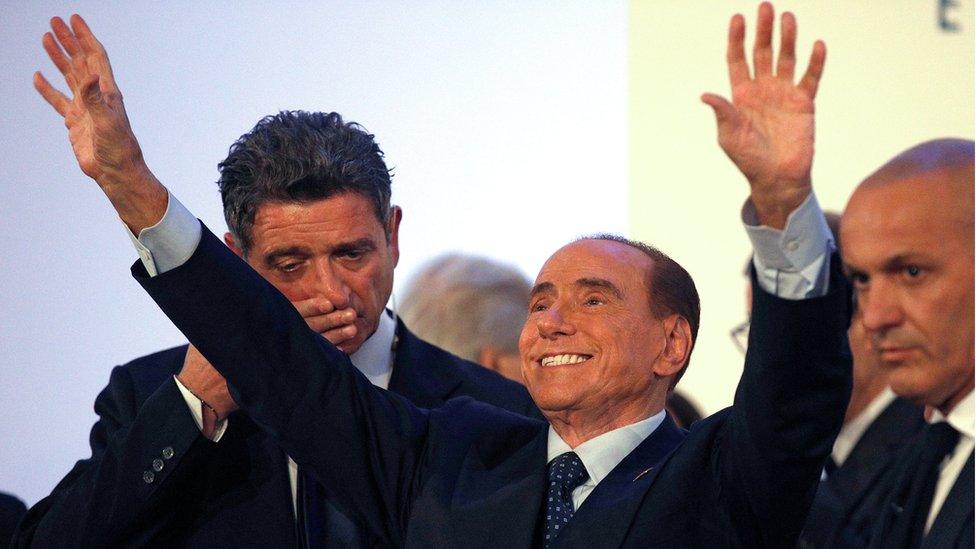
941, 438
567, 472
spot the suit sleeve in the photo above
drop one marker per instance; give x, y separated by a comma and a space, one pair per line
363, 442
788, 409
120, 493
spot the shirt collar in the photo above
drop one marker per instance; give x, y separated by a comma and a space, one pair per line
961, 417
375, 356
853, 430
601, 454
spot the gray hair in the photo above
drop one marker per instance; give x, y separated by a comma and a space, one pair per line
465, 304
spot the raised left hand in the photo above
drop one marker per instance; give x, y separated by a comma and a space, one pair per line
767, 129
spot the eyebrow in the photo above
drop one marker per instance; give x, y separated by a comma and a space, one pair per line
542, 288
891, 264
590, 283
364, 243
274, 256
599, 284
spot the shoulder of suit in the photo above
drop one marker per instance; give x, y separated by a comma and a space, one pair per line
153, 369
478, 376
473, 379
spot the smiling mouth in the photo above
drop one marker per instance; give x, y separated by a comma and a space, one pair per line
559, 360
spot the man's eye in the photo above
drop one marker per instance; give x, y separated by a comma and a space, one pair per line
913, 271
859, 280
594, 301
352, 255
536, 307
288, 267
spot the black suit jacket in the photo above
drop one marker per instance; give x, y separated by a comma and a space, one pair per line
471, 475
234, 493
953, 526
848, 501
11, 511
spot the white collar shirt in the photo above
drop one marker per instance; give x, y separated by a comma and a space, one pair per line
603, 453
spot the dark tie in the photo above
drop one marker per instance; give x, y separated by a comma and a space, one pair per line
830, 467
566, 473
908, 510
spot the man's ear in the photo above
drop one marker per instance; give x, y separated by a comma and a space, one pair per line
677, 346
393, 229
232, 244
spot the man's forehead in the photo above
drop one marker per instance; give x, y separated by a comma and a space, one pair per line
594, 259
330, 222
894, 222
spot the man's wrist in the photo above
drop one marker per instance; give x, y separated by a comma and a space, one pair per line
138, 197
774, 208
212, 402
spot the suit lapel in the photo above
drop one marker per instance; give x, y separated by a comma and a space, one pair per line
604, 519
885, 435
956, 513
417, 375
498, 502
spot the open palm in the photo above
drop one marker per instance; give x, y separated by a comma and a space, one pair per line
98, 128
767, 129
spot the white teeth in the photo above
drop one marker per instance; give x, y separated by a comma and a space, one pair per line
563, 359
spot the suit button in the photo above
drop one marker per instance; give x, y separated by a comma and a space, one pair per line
148, 477
157, 465
168, 452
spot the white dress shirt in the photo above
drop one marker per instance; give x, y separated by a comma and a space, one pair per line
853, 430
602, 453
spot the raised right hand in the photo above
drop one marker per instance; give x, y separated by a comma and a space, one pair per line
98, 127
336, 325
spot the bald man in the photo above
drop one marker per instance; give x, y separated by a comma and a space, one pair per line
908, 247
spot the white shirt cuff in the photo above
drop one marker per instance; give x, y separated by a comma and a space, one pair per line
170, 242
792, 263
196, 409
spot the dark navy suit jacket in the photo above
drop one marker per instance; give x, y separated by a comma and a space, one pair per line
471, 475
953, 526
849, 500
234, 493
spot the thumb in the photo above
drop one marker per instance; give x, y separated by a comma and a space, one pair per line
724, 111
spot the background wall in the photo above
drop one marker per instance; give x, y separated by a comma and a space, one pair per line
508, 125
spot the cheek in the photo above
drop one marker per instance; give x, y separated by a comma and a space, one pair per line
371, 285
526, 338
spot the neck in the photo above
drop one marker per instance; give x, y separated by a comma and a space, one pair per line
955, 399
861, 396
575, 427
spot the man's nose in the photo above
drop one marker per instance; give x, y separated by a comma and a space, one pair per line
879, 307
553, 322
330, 286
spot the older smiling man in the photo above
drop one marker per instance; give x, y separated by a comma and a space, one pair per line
611, 327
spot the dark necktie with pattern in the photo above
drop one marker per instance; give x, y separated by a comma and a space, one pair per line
566, 473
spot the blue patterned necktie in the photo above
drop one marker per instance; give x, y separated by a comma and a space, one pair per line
566, 473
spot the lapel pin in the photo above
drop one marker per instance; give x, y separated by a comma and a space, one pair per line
642, 473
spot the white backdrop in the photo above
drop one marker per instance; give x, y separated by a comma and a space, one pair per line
508, 125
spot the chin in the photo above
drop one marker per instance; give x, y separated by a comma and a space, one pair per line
912, 384
550, 401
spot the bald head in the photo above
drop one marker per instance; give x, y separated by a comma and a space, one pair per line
950, 156
908, 245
